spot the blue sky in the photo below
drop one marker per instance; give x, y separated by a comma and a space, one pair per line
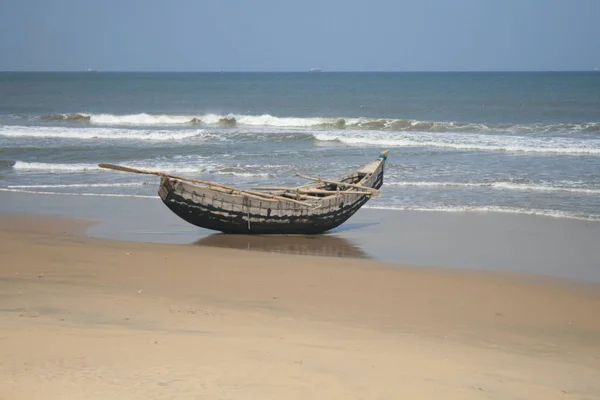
336, 35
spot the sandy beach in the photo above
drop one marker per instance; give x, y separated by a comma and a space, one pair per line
435, 168
88, 318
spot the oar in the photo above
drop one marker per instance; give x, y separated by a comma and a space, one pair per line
181, 178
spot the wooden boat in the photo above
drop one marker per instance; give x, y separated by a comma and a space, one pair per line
309, 209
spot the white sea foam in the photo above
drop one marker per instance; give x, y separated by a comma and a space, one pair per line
544, 188
243, 174
490, 209
77, 194
138, 119
64, 168
84, 167
501, 186
269, 120
79, 185
210, 119
101, 133
434, 184
464, 141
193, 166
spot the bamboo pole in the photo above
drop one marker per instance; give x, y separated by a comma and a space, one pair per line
209, 184
317, 179
287, 189
316, 191
260, 196
332, 192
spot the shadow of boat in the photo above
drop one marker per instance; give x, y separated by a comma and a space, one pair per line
313, 245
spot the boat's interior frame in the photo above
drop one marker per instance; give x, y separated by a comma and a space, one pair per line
355, 178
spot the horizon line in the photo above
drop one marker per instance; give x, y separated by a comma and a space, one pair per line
290, 71
299, 71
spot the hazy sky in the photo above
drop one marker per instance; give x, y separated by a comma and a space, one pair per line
286, 35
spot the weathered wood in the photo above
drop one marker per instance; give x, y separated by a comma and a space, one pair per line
263, 196
339, 183
316, 191
227, 209
207, 183
287, 189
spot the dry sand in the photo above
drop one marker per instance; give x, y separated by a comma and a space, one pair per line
87, 318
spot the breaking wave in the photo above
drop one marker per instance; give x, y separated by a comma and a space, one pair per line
138, 119
388, 124
227, 120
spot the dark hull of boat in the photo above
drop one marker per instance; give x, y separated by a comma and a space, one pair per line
215, 218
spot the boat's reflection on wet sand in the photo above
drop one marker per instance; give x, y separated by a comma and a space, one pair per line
314, 245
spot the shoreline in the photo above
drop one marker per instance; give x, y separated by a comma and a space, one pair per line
527, 244
95, 317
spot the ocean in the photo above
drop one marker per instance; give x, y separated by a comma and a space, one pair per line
521, 143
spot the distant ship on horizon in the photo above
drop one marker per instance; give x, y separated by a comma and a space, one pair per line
316, 70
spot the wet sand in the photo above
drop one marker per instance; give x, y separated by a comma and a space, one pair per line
563, 248
89, 318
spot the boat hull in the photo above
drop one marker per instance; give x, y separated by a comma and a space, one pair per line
235, 214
